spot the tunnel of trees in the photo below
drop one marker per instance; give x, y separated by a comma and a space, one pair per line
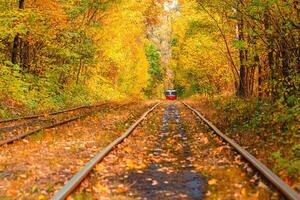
55, 53
239, 59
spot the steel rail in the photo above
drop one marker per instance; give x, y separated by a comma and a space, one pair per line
23, 135
267, 173
52, 113
81, 175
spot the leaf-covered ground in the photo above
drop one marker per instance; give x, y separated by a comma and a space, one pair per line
13, 128
270, 133
36, 166
173, 156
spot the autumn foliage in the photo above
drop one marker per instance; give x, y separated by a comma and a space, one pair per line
55, 53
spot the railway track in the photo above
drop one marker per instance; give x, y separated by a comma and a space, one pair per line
71, 186
79, 177
279, 184
13, 124
25, 128
52, 113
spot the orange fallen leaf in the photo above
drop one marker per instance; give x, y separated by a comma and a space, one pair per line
244, 192
121, 189
127, 149
131, 164
99, 168
102, 189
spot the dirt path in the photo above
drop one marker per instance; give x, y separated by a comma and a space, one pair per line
173, 156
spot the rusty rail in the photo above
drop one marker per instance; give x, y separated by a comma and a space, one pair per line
267, 173
23, 135
80, 176
52, 113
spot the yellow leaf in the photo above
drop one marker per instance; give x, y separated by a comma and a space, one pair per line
99, 168
23, 176
131, 164
244, 192
212, 182
140, 134
262, 185
42, 197
127, 149
102, 188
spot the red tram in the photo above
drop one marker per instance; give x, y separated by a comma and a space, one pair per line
171, 94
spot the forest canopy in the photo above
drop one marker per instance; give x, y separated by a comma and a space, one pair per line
56, 53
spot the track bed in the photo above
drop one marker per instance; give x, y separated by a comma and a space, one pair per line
41, 163
172, 155
167, 153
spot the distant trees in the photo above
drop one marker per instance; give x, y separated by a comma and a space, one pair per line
203, 60
155, 81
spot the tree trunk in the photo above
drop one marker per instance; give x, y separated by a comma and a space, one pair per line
78, 71
26, 56
16, 42
270, 49
21, 4
14, 52
242, 90
260, 76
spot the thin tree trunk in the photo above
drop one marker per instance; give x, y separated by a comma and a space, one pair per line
78, 71
16, 42
243, 69
231, 60
252, 79
26, 56
21, 4
260, 76
14, 52
270, 49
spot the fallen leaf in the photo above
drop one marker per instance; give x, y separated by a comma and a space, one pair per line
131, 164
26, 141
42, 197
99, 168
154, 182
262, 185
67, 148
102, 189
128, 149
70, 198
23, 176
244, 192
212, 182
121, 189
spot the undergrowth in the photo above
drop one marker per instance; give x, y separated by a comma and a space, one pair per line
275, 123
22, 93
